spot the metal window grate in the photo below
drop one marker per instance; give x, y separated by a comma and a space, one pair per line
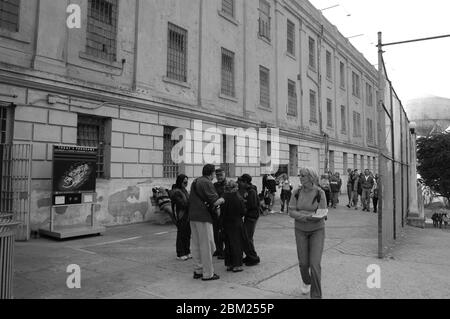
292, 99
228, 73
264, 19
91, 132
369, 131
101, 39
312, 52
312, 106
355, 84
9, 15
228, 7
343, 119
170, 169
328, 60
290, 37
356, 124
342, 74
177, 53
369, 95
329, 113
264, 86
3, 124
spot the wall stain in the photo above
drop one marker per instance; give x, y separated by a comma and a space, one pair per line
125, 203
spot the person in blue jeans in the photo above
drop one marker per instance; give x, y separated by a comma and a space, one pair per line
309, 231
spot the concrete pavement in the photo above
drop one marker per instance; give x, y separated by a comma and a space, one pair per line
138, 261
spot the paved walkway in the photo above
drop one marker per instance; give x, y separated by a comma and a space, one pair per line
138, 261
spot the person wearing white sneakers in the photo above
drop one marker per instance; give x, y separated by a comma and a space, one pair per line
309, 231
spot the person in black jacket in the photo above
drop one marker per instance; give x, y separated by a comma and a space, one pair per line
217, 222
180, 208
232, 212
250, 194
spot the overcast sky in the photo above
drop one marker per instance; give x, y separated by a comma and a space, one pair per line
415, 69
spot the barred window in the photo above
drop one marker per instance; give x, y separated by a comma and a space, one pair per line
91, 132
177, 53
102, 29
356, 124
369, 131
264, 81
3, 124
312, 52
170, 169
345, 160
342, 74
355, 84
264, 19
329, 113
343, 119
290, 37
228, 7
292, 99
329, 68
227, 73
9, 15
312, 106
369, 95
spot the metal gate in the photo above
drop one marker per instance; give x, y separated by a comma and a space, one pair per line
15, 186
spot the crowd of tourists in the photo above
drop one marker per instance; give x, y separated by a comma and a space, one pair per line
217, 217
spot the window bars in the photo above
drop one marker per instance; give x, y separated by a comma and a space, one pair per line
177, 53
290, 37
170, 169
228, 7
91, 132
264, 19
228, 73
264, 81
101, 39
312, 106
292, 99
9, 15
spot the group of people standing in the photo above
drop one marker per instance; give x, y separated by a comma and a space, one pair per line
216, 220
219, 219
331, 184
361, 188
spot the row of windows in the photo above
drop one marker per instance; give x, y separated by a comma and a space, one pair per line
101, 42
92, 132
370, 164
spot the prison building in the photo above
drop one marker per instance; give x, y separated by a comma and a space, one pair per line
136, 70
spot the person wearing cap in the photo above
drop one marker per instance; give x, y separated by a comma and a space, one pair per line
217, 223
249, 192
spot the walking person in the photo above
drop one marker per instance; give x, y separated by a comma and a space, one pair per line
286, 193
309, 231
367, 183
355, 185
325, 185
349, 187
233, 211
375, 194
180, 207
271, 185
335, 188
217, 222
203, 202
249, 192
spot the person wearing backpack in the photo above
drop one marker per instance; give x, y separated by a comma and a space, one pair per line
309, 231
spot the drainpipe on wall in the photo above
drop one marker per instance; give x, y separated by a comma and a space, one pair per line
319, 74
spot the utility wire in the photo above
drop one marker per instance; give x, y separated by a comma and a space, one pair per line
416, 40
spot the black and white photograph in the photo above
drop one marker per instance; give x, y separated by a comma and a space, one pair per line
235, 152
